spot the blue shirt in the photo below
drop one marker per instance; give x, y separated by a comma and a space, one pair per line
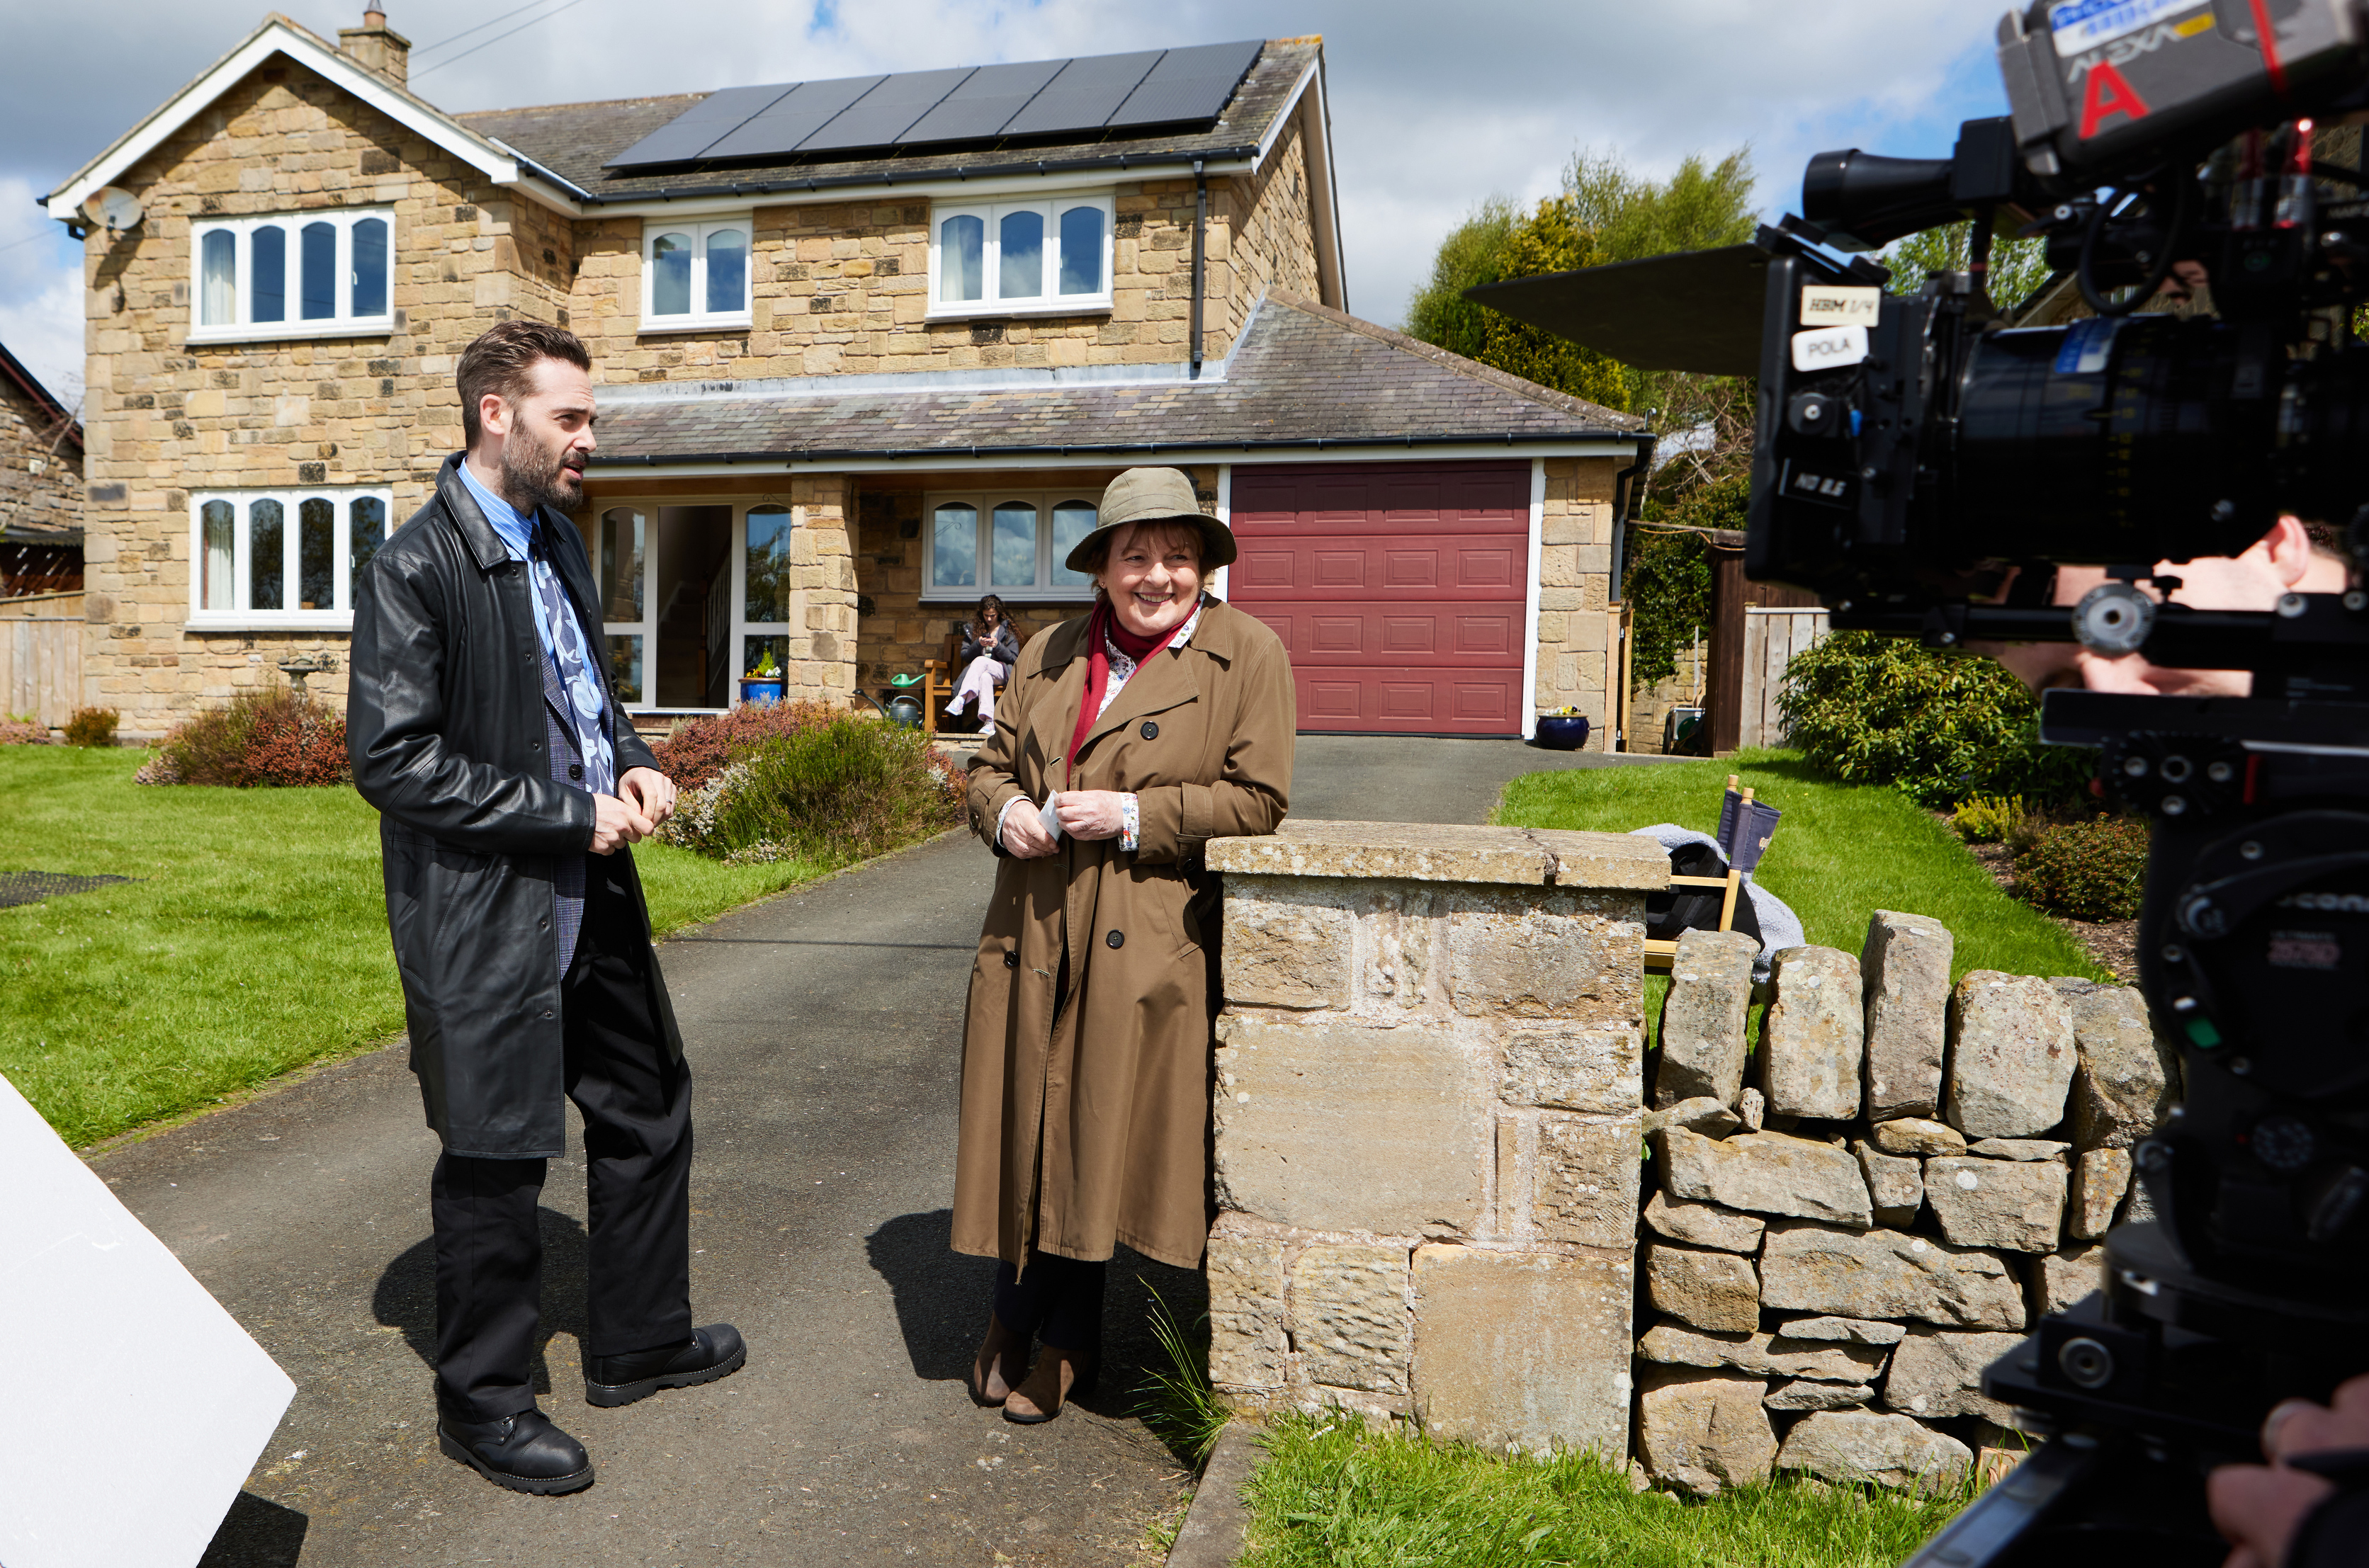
516, 531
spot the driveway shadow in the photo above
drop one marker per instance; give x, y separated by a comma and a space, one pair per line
942, 1302
405, 1297
256, 1533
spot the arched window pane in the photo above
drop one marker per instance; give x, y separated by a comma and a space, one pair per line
1015, 561
215, 585
316, 553
727, 271
621, 565
366, 531
319, 294
768, 599
670, 275
369, 267
962, 253
219, 289
268, 272
1082, 251
1022, 235
953, 547
266, 555
1073, 520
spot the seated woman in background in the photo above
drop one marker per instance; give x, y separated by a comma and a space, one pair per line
989, 647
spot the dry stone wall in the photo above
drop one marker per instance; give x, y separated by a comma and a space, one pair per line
1427, 1109
1844, 1229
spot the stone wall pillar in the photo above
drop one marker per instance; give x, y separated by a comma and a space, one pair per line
1427, 1126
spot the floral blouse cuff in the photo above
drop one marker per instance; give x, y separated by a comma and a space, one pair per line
1130, 820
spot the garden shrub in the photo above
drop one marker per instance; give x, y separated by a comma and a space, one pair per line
23, 732
1872, 709
269, 739
696, 750
2091, 870
830, 792
1990, 819
92, 727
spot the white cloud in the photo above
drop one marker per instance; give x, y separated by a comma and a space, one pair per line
41, 293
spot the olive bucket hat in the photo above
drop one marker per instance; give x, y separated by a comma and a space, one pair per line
1153, 495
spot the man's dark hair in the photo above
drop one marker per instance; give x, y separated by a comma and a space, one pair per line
502, 361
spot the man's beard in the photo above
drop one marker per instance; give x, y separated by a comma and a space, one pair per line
535, 475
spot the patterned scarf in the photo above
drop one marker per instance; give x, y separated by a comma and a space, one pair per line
1102, 630
572, 661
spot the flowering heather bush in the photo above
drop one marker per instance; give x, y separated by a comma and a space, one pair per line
2091, 870
698, 749
22, 733
270, 738
829, 791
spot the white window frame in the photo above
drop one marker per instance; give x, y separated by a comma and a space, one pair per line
1044, 591
791, 630
699, 228
1047, 304
239, 618
343, 324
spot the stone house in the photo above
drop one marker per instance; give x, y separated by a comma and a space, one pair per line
40, 487
866, 349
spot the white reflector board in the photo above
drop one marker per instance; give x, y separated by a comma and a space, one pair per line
135, 1406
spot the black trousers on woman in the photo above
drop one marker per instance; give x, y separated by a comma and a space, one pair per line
636, 1098
1058, 1299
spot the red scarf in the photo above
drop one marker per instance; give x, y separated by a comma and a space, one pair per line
1101, 625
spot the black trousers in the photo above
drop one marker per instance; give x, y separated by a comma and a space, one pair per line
636, 1099
1059, 1299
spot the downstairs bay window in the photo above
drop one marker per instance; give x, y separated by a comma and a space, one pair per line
262, 559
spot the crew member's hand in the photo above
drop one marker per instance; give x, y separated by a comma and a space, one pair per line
1023, 835
1090, 813
2257, 1507
616, 824
649, 792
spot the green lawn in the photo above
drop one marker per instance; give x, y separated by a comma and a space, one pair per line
253, 942
1332, 1495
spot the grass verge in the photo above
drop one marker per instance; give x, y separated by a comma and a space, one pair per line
1332, 1492
252, 942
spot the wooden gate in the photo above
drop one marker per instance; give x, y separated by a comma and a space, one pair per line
41, 667
1772, 635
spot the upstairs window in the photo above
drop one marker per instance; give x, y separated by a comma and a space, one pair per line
1019, 258
293, 275
265, 558
695, 275
1006, 542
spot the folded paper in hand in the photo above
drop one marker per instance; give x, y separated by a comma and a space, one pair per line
1051, 816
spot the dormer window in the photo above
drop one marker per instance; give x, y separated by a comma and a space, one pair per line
293, 275
1021, 258
695, 275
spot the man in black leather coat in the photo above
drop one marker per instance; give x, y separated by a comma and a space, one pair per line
484, 728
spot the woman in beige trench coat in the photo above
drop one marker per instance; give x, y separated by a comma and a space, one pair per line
1086, 1051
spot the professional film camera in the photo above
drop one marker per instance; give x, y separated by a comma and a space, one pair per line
1926, 465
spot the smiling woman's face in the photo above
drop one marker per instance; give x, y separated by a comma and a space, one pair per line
1152, 575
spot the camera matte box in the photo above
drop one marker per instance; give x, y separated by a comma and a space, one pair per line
127, 1452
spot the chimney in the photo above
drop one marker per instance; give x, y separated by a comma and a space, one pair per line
378, 46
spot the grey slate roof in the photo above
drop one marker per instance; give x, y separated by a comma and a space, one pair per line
573, 141
1303, 376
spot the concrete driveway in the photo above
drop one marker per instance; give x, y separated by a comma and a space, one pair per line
824, 1027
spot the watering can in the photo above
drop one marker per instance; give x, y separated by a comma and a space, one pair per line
904, 709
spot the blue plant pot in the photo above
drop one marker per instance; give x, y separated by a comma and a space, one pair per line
759, 693
1562, 732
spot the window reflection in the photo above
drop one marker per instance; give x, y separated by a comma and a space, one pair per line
366, 531
754, 649
1072, 521
727, 271
953, 547
318, 272
621, 565
1021, 236
267, 549
626, 669
369, 267
218, 287
1082, 251
316, 553
216, 584
267, 269
961, 254
1013, 564
670, 275
768, 597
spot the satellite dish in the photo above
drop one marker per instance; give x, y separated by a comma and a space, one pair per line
113, 209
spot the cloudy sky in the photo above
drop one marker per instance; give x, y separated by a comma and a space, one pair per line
1436, 106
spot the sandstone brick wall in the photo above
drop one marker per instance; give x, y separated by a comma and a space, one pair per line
1262, 235
1914, 1173
1649, 705
40, 473
1426, 1117
1577, 633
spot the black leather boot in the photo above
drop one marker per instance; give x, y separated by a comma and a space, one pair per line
524, 1452
710, 1353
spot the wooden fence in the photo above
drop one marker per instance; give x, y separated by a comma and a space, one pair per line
1772, 635
40, 658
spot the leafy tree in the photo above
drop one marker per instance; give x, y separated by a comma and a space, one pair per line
1472, 253
2017, 267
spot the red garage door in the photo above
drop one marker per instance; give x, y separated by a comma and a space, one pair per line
1397, 587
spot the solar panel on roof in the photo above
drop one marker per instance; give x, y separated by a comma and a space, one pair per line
1188, 83
797, 115
696, 129
1084, 93
883, 114
979, 109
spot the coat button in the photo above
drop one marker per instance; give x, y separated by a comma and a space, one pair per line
1150, 731
1011, 960
547, 1012
575, 770
1117, 938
